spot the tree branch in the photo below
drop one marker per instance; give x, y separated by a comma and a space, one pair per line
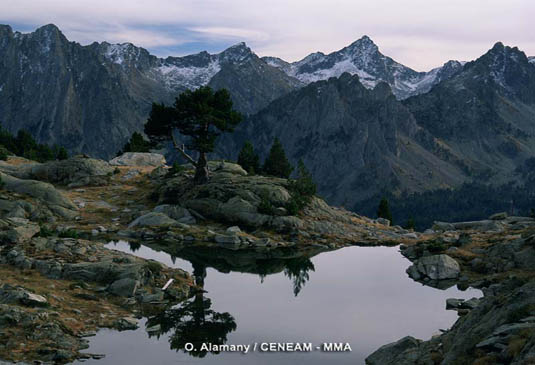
181, 150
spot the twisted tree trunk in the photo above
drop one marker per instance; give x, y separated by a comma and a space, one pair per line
201, 170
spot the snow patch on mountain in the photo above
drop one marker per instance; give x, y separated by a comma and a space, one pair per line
363, 58
188, 77
531, 59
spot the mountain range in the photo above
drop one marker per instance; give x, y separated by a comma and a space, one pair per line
362, 122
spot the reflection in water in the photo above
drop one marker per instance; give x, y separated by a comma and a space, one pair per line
373, 302
194, 321
297, 270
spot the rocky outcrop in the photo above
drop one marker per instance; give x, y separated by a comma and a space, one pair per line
138, 159
43, 192
436, 267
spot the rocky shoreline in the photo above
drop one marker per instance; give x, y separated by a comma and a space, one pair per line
60, 284
495, 255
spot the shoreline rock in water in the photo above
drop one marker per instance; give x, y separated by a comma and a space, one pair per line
498, 328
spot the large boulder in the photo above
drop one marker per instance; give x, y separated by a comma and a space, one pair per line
47, 193
176, 212
139, 159
239, 210
153, 219
402, 352
436, 267
78, 170
124, 287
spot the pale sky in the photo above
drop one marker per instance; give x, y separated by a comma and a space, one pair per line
421, 34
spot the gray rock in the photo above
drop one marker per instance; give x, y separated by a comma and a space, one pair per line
40, 190
138, 159
233, 229
126, 323
383, 221
227, 239
34, 300
498, 216
176, 212
395, 353
453, 303
436, 267
153, 219
442, 226
124, 287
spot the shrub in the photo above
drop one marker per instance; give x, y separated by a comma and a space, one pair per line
154, 267
3, 153
176, 168
301, 190
265, 206
44, 231
136, 144
69, 233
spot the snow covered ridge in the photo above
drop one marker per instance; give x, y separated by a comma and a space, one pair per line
189, 72
363, 58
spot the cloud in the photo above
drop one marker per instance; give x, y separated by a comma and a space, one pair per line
419, 33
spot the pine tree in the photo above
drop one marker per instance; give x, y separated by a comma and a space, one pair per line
277, 164
201, 116
410, 223
62, 154
383, 211
248, 159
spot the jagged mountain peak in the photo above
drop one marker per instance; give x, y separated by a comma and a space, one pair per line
237, 53
364, 43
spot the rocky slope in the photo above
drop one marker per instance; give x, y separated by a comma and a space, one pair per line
476, 125
367, 138
363, 58
485, 114
68, 94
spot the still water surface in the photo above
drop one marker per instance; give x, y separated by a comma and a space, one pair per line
358, 295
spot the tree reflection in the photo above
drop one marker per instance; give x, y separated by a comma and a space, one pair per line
194, 322
298, 271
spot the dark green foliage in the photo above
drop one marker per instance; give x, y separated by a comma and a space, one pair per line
383, 211
69, 233
277, 164
24, 145
176, 168
3, 153
265, 206
44, 231
301, 190
410, 223
137, 144
201, 115
155, 267
248, 159
62, 154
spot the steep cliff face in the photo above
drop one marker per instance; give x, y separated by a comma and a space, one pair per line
355, 141
486, 113
91, 98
